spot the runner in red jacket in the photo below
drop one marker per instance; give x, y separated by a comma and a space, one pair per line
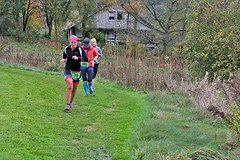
87, 68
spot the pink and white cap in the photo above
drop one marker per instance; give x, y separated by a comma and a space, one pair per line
73, 38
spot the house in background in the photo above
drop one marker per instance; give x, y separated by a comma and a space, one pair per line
111, 23
114, 21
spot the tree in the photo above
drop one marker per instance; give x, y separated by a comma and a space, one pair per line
212, 43
165, 19
27, 9
5, 6
17, 13
56, 13
22, 9
6, 20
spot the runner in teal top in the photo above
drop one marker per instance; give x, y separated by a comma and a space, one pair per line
96, 62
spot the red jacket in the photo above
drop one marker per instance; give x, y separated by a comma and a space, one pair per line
91, 53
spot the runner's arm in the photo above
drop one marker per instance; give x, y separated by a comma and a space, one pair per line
95, 53
84, 57
64, 57
100, 52
67, 55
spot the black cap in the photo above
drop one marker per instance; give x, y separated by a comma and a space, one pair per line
86, 43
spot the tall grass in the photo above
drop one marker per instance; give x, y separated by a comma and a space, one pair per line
174, 129
132, 66
135, 66
35, 54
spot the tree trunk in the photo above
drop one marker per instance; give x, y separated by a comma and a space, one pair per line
164, 52
49, 32
49, 24
18, 30
25, 21
56, 33
83, 30
26, 15
165, 42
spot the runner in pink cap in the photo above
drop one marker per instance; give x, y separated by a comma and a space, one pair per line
73, 38
73, 55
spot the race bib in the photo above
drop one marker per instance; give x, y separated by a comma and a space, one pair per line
84, 64
75, 75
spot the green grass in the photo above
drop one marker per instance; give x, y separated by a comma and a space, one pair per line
116, 123
174, 127
34, 126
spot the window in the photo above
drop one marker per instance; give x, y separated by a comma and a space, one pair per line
111, 35
119, 16
111, 15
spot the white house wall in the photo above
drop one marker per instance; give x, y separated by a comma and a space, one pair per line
102, 21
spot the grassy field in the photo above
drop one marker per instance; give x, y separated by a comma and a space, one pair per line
34, 126
115, 123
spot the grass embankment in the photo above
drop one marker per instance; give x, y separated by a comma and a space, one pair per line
174, 129
34, 125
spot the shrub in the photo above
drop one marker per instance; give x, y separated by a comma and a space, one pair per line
6, 25
212, 42
99, 37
